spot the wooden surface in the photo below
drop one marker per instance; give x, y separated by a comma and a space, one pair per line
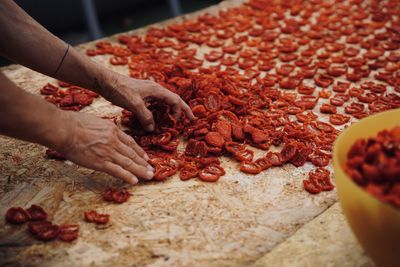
230, 223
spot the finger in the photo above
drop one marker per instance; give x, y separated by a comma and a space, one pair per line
131, 166
144, 115
119, 172
187, 110
127, 140
177, 105
131, 154
176, 108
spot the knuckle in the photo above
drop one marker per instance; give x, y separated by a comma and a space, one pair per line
152, 83
110, 135
98, 165
175, 100
104, 151
115, 130
127, 163
136, 102
134, 156
148, 117
131, 143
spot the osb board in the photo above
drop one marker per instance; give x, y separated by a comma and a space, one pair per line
230, 223
325, 241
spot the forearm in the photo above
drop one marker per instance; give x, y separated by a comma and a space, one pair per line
28, 43
28, 117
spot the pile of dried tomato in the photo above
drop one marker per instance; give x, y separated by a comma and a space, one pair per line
268, 68
39, 227
44, 230
68, 97
374, 164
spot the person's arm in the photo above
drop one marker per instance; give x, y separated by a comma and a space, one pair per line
84, 139
26, 42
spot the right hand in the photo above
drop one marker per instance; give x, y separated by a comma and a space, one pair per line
100, 145
132, 94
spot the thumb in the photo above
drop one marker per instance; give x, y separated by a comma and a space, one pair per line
144, 115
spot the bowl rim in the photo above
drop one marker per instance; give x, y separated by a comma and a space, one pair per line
336, 148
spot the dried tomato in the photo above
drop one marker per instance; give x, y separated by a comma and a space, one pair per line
336, 101
288, 151
243, 155
119, 60
213, 56
215, 43
318, 181
367, 98
162, 172
310, 187
273, 158
36, 213
95, 217
108, 194
228, 61
338, 119
320, 160
82, 99
354, 108
250, 167
116, 195
290, 82
326, 108
212, 102
215, 139
285, 69
44, 230
247, 63
35, 227
232, 49
68, 232
17, 215
323, 81
306, 90
324, 127
121, 195
353, 76
49, 89
302, 117
293, 110
263, 163
247, 53
288, 57
199, 111
188, 171
341, 87
224, 129
211, 173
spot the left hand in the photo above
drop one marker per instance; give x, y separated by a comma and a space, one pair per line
131, 94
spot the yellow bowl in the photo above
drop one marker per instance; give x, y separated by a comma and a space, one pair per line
376, 224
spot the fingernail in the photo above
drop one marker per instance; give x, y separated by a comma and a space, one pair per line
146, 157
150, 168
134, 180
150, 174
150, 127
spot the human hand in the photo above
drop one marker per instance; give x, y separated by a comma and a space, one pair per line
132, 94
100, 145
